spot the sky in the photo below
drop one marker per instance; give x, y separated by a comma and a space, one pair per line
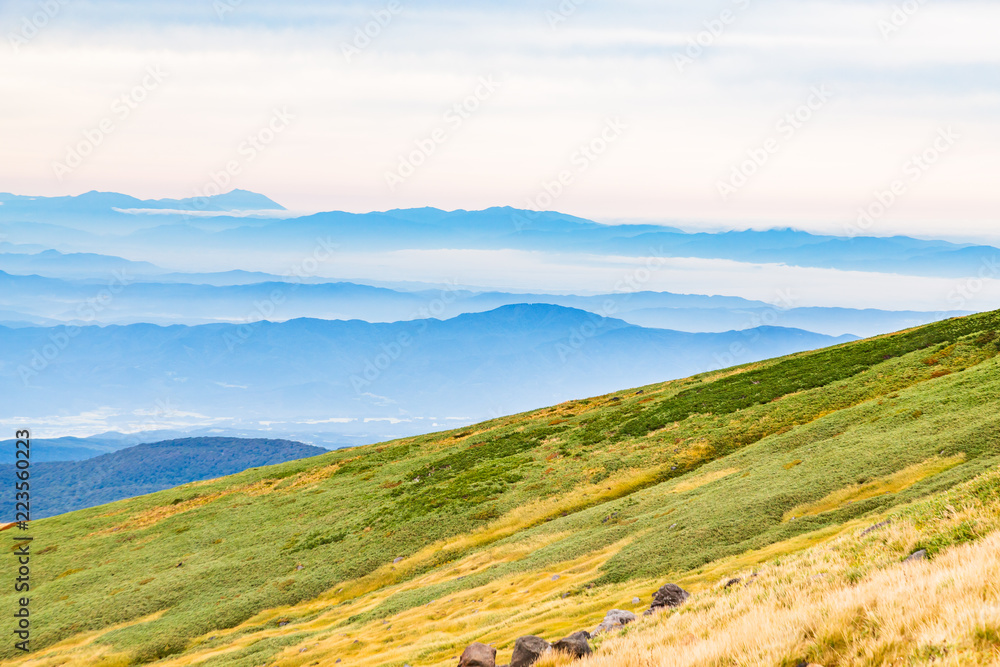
846, 117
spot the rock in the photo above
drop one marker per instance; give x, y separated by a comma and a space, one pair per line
636, 600
614, 619
555, 577
877, 526
732, 582
397, 560
670, 595
478, 655
917, 555
527, 651
576, 645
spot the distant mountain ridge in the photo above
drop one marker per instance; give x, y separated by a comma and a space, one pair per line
101, 203
505, 360
61, 487
100, 221
44, 301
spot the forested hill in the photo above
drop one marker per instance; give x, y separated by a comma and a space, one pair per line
64, 486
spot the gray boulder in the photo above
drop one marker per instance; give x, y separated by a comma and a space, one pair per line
916, 555
576, 645
614, 619
670, 595
478, 655
527, 651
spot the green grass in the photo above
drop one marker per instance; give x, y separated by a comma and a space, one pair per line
845, 417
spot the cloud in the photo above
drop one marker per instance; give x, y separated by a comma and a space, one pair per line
354, 119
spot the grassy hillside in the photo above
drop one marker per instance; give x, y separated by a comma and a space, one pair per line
848, 602
405, 552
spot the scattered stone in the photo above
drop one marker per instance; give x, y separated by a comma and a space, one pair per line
917, 555
397, 560
555, 577
877, 526
478, 655
300, 567
576, 645
614, 619
636, 600
565, 595
527, 651
670, 595
732, 582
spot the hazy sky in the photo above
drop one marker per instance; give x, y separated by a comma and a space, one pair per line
817, 105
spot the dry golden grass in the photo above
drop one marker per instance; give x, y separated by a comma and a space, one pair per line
84, 650
849, 602
893, 483
692, 483
155, 515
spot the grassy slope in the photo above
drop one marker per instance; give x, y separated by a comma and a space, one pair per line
847, 602
686, 481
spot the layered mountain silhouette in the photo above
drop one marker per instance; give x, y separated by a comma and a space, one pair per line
505, 360
95, 222
32, 299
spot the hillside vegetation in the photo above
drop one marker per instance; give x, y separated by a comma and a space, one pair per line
403, 553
